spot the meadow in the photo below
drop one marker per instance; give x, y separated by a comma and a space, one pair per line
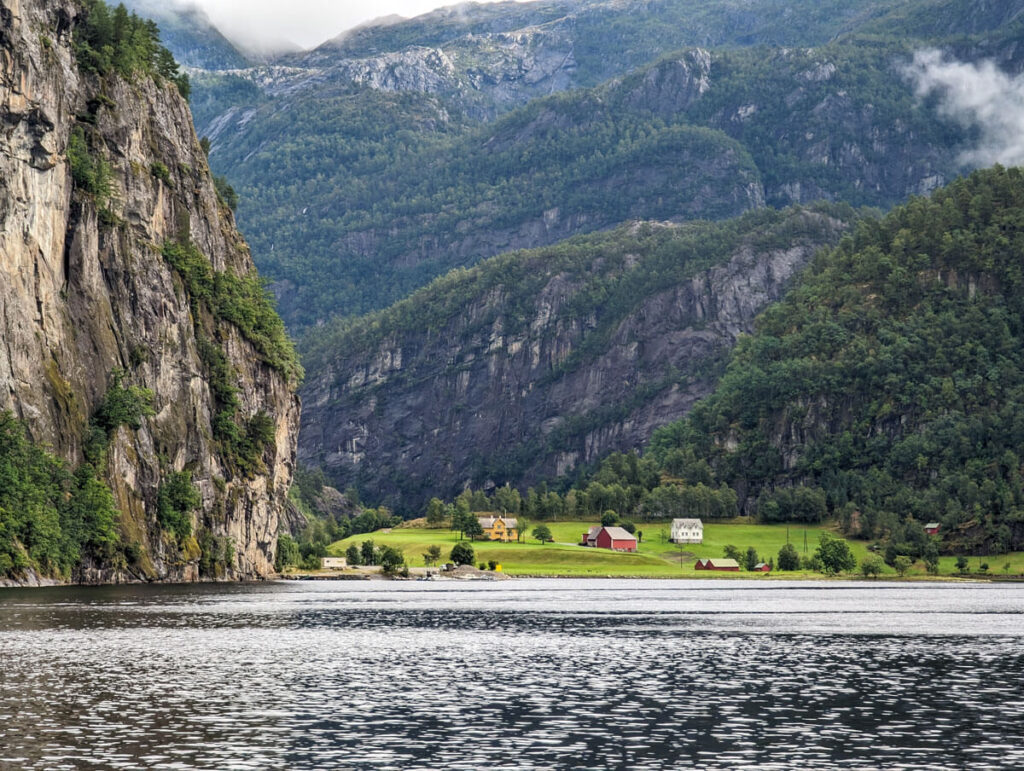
656, 557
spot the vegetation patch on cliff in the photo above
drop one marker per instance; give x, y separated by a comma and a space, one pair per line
53, 517
243, 302
114, 40
239, 300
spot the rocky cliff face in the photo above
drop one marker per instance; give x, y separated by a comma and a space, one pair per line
86, 291
521, 383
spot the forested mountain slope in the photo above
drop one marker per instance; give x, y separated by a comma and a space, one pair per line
533, 363
368, 155
889, 383
148, 415
698, 135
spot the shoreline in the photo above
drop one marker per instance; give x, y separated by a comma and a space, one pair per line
472, 574
703, 576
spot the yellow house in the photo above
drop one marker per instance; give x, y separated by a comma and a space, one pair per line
499, 528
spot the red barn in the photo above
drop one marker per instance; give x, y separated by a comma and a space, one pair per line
615, 538
932, 528
762, 567
717, 564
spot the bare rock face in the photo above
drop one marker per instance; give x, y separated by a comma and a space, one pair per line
85, 291
519, 385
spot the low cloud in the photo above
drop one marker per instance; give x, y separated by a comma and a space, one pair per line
307, 22
976, 94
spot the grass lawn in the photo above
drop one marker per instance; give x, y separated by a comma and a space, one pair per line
656, 557
533, 558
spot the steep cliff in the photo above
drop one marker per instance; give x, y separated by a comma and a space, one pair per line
124, 276
533, 364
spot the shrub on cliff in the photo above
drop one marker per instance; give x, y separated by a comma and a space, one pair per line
177, 498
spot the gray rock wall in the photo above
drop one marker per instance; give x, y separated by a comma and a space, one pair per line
427, 411
83, 293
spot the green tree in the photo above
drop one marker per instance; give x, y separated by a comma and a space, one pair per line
931, 558
90, 172
834, 554
789, 558
225, 192
353, 556
462, 554
436, 513
472, 528
391, 560
902, 564
123, 405
961, 564
733, 553
287, 553
813, 563
507, 500
609, 518
432, 555
91, 507
750, 559
368, 553
871, 566
462, 517
542, 533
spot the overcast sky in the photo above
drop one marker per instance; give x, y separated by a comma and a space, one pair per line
305, 22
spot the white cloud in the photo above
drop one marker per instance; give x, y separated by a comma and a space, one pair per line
976, 94
305, 22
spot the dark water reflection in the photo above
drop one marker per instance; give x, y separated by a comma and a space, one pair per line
516, 675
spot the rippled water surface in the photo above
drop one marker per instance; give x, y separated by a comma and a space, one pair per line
525, 674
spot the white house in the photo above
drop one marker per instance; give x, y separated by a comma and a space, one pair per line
333, 563
687, 531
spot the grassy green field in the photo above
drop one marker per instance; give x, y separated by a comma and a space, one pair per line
656, 557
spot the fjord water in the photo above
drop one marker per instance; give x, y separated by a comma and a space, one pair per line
525, 674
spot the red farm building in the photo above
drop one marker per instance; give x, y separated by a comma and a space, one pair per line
932, 528
717, 564
614, 538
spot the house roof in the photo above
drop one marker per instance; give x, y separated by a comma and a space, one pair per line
488, 522
722, 562
760, 565
618, 533
931, 525
687, 523
593, 531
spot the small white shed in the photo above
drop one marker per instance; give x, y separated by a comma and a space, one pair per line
333, 563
